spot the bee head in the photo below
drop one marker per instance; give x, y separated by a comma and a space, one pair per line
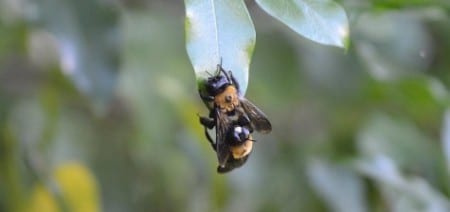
216, 84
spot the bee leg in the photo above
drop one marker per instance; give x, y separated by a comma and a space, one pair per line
206, 97
213, 145
206, 122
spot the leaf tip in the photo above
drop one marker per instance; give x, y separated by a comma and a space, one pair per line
346, 43
249, 49
344, 33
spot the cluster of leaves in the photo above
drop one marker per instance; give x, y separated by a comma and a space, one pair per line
98, 105
223, 32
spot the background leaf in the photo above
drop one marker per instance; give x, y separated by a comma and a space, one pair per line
387, 53
219, 30
78, 188
446, 139
338, 185
88, 44
402, 192
322, 21
401, 141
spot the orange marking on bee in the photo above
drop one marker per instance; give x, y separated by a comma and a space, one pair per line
242, 150
228, 100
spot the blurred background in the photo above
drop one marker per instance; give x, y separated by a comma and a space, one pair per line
98, 112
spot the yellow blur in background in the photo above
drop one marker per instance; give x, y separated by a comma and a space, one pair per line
77, 190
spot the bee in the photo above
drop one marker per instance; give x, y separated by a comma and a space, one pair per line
235, 149
234, 119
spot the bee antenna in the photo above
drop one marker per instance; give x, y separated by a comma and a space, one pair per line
219, 67
209, 73
227, 75
230, 73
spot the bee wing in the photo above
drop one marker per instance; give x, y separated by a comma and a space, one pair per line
222, 148
258, 119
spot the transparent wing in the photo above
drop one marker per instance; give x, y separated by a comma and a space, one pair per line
222, 148
258, 119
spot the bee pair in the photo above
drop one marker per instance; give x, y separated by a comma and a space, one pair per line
234, 119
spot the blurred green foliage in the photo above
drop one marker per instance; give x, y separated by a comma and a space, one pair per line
101, 95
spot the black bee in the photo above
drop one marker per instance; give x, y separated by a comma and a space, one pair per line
234, 119
236, 146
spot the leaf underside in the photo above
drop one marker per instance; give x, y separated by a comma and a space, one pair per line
322, 21
219, 31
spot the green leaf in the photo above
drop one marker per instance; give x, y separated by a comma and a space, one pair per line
219, 30
322, 21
